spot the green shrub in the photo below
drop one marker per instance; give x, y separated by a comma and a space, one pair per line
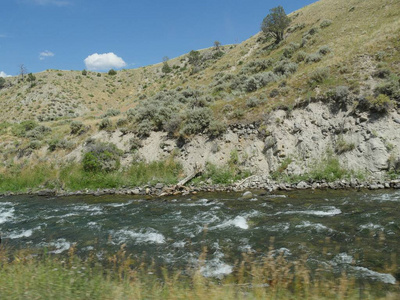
2, 82
134, 144
382, 73
166, 68
301, 56
31, 77
318, 76
112, 72
340, 94
84, 72
324, 50
105, 124
38, 132
144, 128
390, 88
121, 122
285, 67
313, 58
289, 50
21, 128
76, 127
252, 102
342, 146
216, 129
197, 120
328, 169
35, 144
173, 125
55, 144
101, 157
312, 31
111, 113
325, 23
381, 103
253, 67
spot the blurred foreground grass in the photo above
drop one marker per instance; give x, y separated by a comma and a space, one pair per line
24, 275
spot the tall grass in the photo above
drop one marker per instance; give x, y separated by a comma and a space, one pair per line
23, 276
72, 177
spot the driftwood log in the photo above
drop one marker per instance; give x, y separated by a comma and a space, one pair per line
196, 172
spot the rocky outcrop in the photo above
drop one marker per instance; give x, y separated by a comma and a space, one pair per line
361, 142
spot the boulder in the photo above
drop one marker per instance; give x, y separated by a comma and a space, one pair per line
247, 195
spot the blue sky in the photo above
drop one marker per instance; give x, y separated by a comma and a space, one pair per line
67, 34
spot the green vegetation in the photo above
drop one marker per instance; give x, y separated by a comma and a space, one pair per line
2, 82
74, 177
23, 276
343, 146
327, 169
275, 23
227, 174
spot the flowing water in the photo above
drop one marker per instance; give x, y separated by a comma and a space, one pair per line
346, 230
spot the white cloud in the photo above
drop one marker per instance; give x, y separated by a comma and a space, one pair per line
51, 2
2, 74
45, 54
105, 61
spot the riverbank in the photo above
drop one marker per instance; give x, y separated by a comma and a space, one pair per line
259, 183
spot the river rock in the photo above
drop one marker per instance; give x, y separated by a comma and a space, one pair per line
47, 193
247, 195
303, 185
159, 186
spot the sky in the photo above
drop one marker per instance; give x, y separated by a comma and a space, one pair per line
102, 34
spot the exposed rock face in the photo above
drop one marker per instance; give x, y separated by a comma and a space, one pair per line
304, 135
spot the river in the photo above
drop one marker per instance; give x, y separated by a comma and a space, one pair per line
347, 230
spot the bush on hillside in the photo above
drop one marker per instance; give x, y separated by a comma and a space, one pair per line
173, 125
21, 128
285, 67
301, 56
112, 72
105, 124
339, 94
381, 103
76, 127
111, 113
38, 132
390, 88
2, 82
318, 76
313, 58
325, 23
144, 128
101, 157
324, 50
289, 50
197, 120
253, 67
216, 129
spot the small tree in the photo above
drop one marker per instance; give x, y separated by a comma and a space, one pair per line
194, 57
166, 68
2, 82
112, 72
31, 77
275, 23
217, 44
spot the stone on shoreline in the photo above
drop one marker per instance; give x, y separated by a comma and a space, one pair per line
247, 195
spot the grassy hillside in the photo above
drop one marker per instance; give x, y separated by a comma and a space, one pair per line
345, 53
